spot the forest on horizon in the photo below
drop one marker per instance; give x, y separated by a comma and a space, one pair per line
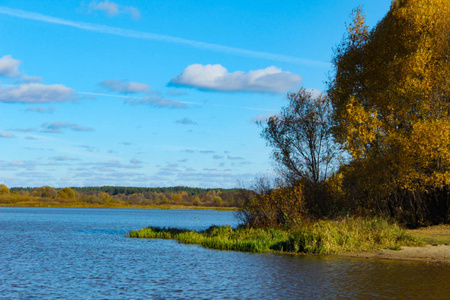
119, 196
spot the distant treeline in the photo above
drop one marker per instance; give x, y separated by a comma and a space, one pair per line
126, 190
129, 190
120, 196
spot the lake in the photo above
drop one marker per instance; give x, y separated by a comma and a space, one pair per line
70, 253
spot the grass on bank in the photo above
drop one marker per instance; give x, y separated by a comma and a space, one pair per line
323, 237
434, 235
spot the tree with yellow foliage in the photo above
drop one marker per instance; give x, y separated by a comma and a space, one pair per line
390, 94
66, 193
3, 189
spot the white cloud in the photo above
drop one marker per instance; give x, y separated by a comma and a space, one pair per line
55, 127
118, 85
113, 9
9, 67
216, 77
36, 93
29, 91
158, 102
5, 134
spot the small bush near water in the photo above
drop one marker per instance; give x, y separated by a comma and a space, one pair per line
324, 237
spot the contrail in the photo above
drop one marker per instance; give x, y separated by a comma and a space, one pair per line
159, 37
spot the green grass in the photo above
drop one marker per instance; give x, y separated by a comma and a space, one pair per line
434, 235
323, 237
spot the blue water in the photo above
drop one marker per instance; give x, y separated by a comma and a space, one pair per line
68, 253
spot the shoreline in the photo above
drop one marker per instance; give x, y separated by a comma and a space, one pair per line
351, 238
436, 254
163, 206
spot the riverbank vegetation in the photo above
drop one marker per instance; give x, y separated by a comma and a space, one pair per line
121, 197
322, 237
433, 235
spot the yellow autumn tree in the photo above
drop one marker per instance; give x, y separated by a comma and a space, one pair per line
390, 92
3, 189
66, 193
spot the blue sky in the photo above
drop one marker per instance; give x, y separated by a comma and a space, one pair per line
155, 93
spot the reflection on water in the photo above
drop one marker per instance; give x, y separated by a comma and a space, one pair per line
48, 253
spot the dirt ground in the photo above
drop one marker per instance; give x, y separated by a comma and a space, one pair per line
432, 254
437, 249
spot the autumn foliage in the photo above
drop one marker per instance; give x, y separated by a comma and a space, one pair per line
391, 93
116, 196
388, 112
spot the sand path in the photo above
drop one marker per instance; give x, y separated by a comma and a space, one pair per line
436, 254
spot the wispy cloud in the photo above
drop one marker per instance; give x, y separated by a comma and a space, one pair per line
113, 9
40, 109
135, 100
186, 121
30, 79
88, 148
135, 161
159, 37
63, 158
56, 127
115, 164
234, 157
217, 77
121, 85
26, 164
198, 151
5, 134
157, 102
36, 93
176, 93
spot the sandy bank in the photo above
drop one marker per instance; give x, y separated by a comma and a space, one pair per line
435, 254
